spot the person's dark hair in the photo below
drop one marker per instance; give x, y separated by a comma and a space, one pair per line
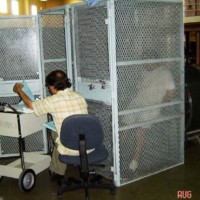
58, 79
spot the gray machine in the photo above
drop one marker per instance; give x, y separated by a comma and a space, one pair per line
105, 50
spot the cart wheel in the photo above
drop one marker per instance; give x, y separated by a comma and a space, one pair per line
27, 180
1, 178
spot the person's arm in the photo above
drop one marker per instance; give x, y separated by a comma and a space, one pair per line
169, 95
18, 89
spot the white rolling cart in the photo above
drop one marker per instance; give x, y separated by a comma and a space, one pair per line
20, 125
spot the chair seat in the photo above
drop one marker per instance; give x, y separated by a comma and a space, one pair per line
96, 156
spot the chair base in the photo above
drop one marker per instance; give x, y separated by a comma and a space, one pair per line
96, 182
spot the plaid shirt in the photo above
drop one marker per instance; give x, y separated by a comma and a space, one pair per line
60, 106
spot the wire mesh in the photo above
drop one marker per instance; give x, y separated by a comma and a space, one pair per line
19, 61
133, 79
159, 149
53, 37
35, 140
53, 44
140, 19
104, 113
91, 42
149, 64
148, 55
9, 146
18, 49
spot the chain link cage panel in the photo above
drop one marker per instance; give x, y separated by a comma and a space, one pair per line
149, 63
53, 37
91, 36
157, 147
133, 80
18, 48
53, 44
104, 113
19, 61
138, 28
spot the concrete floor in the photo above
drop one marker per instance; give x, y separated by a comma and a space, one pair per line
162, 186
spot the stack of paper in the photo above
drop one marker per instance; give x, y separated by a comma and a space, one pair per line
28, 92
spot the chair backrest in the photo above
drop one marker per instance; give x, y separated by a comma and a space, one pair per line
86, 124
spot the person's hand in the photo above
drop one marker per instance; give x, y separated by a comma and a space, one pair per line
17, 88
169, 95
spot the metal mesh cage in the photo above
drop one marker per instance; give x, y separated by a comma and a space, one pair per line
149, 63
19, 61
91, 42
132, 78
104, 113
53, 37
53, 44
140, 18
18, 48
159, 150
124, 43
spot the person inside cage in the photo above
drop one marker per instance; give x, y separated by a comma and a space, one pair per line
156, 86
62, 103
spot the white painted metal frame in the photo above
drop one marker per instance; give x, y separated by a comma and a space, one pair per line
113, 77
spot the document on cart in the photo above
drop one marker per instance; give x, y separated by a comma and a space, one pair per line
28, 92
18, 109
21, 107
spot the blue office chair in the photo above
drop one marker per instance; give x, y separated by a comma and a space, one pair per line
83, 132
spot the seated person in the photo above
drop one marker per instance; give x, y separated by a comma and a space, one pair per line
62, 103
156, 86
